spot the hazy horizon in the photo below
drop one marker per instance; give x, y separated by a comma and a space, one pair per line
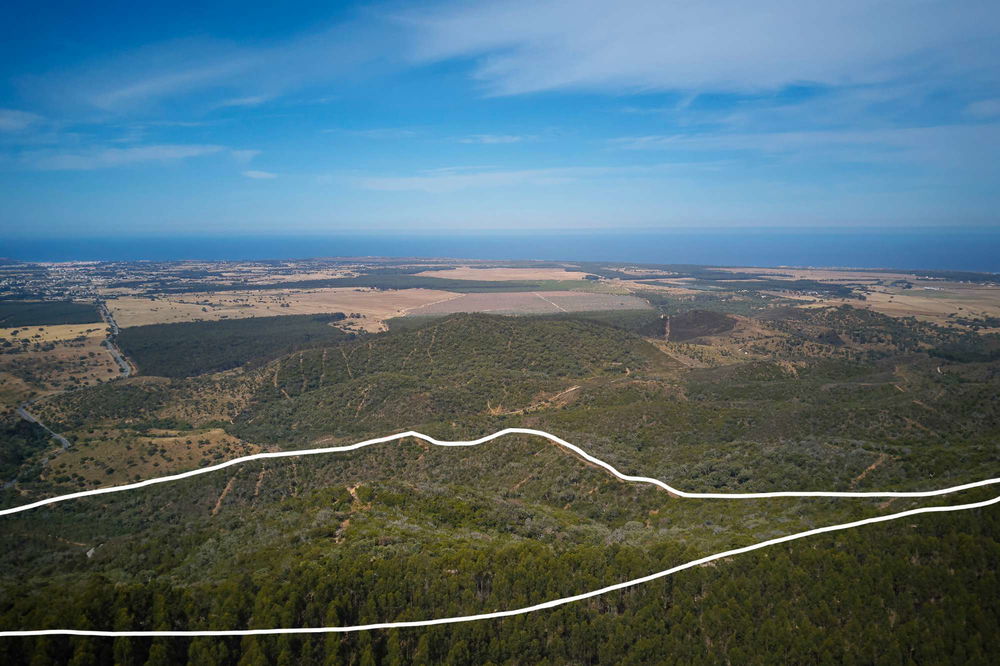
968, 249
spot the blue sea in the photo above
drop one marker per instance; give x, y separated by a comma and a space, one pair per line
931, 249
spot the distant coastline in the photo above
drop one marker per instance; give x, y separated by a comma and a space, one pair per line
930, 249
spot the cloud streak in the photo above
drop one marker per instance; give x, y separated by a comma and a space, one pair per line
210, 73
109, 158
380, 133
453, 179
987, 108
952, 146
492, 139
12, 120
524, 46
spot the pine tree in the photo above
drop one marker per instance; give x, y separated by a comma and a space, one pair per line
422, 655
394, 650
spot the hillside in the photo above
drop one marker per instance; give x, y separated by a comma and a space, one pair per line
466, 366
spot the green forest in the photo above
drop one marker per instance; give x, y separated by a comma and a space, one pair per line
195, 348
46, 313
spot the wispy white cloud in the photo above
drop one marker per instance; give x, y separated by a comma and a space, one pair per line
522, 46
387, 133
260, 175
492, 138
12, 120
987, 108
244, 155
452, 179
252, 100
130, 93
532, 45
106, 158
212, 73
949, 146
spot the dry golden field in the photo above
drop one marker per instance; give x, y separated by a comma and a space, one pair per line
52, 333
375, 306
831, 275
52, 358
13, 391
672, 289
534, 302
934, 304
935, 301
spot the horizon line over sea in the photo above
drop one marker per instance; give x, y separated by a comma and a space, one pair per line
959, 249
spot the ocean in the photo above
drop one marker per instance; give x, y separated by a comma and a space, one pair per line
930, 249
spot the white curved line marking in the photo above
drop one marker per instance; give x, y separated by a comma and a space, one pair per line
517, 611
475, 442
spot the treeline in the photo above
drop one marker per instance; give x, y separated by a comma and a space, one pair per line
647, 323
622, 271
746, 303
971, 348
766, 284
19, 442
642, 322
193, 348
46, 313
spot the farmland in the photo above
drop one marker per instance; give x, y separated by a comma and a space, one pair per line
373, 306
503, 274
539, 302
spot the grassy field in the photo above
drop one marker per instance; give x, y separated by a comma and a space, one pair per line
103, 456
27, 336
539, 302
374, 306
42, 359
899, 294
940, 303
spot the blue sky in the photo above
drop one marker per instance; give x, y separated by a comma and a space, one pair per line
242, 117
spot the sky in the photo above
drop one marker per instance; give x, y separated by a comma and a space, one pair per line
261, 117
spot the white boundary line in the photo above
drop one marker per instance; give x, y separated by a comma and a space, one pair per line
517, 611
507, 613
482, 440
